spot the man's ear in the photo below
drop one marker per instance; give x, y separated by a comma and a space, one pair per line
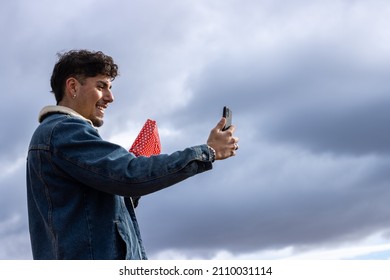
71, 87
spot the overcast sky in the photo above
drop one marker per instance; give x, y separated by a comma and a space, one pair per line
308, 83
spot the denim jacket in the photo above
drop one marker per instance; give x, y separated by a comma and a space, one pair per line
79, 188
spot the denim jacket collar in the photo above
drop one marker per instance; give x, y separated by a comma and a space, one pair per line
60, 109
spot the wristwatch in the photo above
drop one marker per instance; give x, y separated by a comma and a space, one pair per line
212, 154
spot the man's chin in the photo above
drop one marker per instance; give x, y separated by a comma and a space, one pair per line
97, 122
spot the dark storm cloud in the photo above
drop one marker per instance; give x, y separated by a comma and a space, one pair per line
319, 99
359, 130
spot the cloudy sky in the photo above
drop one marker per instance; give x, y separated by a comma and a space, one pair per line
308, 85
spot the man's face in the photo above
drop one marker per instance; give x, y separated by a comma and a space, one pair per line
93, 96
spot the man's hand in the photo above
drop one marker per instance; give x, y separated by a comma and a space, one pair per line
223, 142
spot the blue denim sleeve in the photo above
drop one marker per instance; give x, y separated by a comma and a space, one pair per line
79, 151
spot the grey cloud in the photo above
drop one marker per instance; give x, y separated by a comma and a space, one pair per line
13, 216
245, 216
322, 100
359, 131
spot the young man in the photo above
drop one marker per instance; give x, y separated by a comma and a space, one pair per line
79, 187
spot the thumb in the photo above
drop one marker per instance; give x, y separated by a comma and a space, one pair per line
221, 124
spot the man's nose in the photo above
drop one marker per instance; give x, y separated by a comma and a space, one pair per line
109, 96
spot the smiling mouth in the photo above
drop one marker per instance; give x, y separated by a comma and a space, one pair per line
101, 108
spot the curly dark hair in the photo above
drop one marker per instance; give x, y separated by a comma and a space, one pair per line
80, 64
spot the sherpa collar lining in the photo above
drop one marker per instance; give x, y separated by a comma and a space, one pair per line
60, 109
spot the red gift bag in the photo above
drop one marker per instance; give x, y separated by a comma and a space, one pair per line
147, 142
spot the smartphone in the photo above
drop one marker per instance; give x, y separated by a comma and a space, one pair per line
227, 113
